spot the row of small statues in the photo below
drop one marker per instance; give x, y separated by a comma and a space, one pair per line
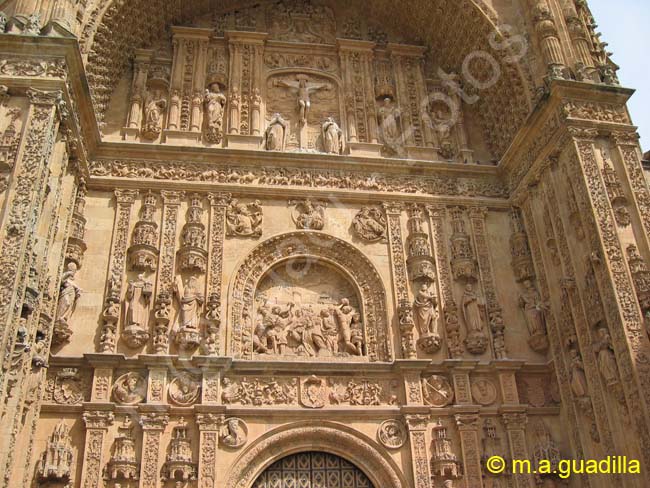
301, 331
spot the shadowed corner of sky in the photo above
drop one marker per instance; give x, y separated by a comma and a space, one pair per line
625, 25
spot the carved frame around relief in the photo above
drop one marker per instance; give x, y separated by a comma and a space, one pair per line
346, 258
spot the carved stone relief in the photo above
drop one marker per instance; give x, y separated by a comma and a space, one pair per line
234, 433
184, 390
308, 214
130, 389
244, 219
392, 434
483, 391
370, 224
437, 391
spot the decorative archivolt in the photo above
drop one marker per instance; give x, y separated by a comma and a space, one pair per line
315, 247
330, 437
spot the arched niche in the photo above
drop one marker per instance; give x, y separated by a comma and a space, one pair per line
329, 437
332, 262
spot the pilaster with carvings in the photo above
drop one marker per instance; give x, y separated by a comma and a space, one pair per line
468, 427
622, 311
97, 425
209, 428
153, 425
166, 271
447, 305
477, 217
116, 270
417, 426
515, 423
400, 279
24, 195
218, 208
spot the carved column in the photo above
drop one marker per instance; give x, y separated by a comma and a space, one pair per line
417, 427
97, 424
173, 119
622, 311
24, 197
218, 206
549, 39
64, 12
165, 282
477, 217
76, 246
468, 426
516, 429
153, 425
116, 269
400, 279
138, 93
209, 426
585, 63
448, 304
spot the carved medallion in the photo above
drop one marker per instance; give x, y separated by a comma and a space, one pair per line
484, 392
308, 214
370, 224
437, 391
234, 433
184, 390
313, 392
244, 219
67, 387
392, 434
130, 389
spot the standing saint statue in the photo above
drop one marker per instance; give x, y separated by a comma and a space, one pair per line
425, 310
472, 309
388, 116
153, 115
68, 296
333, 142
138, 302
606, 358
304, 89
275, 135
215, 101
190, 300
534, 309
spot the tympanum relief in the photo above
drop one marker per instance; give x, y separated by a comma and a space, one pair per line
307, 309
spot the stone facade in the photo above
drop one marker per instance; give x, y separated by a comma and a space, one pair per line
274, 243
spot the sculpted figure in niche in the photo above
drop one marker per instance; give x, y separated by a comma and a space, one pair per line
346, 319
153, 115
244, 220
333, 141
606, 358
425, 310
68, 296
138, 302
534, 309
370, 224
190, 300
578, 377
303, 89
472, 309
215, 101
275, 135
388, 124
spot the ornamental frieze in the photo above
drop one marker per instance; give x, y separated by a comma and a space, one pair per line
486, 186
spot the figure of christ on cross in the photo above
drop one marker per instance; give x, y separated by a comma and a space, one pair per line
303, 89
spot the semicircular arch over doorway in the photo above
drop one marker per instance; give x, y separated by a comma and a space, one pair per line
328, 437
